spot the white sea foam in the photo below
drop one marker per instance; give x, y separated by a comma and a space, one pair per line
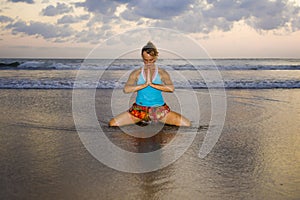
126, 64
112, 84
236, 73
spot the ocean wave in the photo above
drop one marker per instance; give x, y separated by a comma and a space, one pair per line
111, 84
236, 67
9, 65
77, 64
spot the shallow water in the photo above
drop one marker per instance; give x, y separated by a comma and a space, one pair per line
186, 79
256, 157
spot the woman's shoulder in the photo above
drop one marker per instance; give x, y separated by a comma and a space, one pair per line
162, 71
136, 71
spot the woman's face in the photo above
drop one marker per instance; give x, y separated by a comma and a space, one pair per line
148, 59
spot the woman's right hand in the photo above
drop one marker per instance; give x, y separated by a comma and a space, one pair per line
148, 81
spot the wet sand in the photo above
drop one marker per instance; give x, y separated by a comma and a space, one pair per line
256, 157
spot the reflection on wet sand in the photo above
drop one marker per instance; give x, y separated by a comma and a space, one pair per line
256, 157
142, 144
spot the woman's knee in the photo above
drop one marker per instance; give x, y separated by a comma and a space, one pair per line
185, 122
112, 122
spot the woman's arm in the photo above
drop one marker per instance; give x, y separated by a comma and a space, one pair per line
130, 85
168, 84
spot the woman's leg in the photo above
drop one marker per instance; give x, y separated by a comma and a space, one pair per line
124, 118
174, 118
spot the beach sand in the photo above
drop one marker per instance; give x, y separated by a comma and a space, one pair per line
256, 157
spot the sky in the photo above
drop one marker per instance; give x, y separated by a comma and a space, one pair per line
224, 28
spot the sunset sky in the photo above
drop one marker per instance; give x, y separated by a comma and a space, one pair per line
225, 28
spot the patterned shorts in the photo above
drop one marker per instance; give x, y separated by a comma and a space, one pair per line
149, 113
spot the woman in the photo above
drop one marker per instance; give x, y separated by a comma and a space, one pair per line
149, 82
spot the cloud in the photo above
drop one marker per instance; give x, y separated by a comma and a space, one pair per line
26, 1
60, 8
69, 19
190, 16
4, 19
45, 30
201, 16
196, 23
94, 35
105, 7
260, 14
296, 24
157, 9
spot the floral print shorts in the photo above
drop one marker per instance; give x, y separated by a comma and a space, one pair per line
149, 113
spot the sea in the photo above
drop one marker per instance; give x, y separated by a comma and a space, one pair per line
250, 73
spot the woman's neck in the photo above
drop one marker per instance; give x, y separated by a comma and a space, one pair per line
152, 67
